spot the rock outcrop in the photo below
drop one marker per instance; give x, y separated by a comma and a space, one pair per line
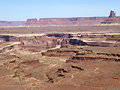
76, 21
66, 21
39, 43
76, 55
112, 14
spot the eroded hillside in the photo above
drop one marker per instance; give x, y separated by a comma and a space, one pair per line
56, 61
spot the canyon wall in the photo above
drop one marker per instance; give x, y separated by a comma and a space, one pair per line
67, 21
39, 43
76, 21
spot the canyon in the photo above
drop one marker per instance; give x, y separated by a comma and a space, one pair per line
60, 54
54, 61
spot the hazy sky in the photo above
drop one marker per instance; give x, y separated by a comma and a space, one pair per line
23, 9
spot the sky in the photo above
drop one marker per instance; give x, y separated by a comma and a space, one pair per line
20, 10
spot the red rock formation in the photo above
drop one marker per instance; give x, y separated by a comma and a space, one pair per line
32, 20
75, 21
67, 21
112, 14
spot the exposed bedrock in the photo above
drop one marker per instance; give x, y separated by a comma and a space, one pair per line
53, 39
39, 43
55, 75
69, 41
92, 39
66, 21
77, 59
76, 55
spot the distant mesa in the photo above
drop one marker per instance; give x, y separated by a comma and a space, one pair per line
66, 21
32, 20
79, 21
76, 21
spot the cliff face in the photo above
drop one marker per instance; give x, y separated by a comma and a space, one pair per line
67, 21
76, 21
111, 20
39, 43
56, 21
